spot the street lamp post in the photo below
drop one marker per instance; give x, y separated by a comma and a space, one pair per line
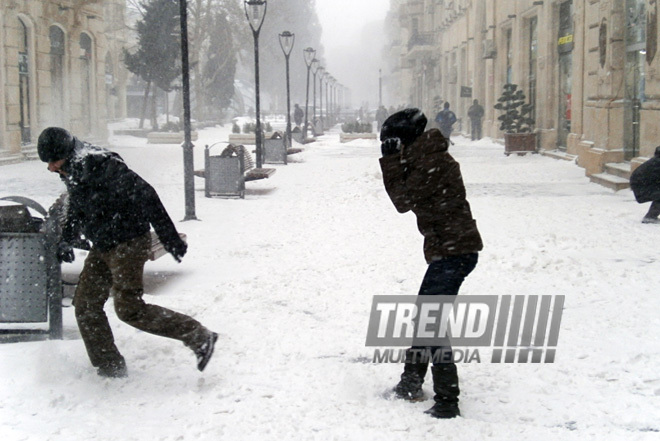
287, 40
328, 77
308, 55
321, 73
255, 11
335, 116
380, 87
315, 67
188, 160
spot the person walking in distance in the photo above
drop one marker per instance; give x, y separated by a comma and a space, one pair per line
421, 176
114, 208
446, 119
298, 115
476, 114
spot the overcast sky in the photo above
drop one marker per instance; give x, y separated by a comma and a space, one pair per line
342, 20
350, 56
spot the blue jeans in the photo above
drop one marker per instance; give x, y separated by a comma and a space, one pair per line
444, 277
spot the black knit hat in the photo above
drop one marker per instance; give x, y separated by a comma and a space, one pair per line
54, 144
407, 125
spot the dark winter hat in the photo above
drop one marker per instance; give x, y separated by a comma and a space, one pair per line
407, 125
657, 152
54, 144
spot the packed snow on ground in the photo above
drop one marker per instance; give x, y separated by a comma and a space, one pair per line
287, 275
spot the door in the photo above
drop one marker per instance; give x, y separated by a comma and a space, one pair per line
634, 75
635, 82
565, 97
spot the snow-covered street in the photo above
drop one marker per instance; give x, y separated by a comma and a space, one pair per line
287, 275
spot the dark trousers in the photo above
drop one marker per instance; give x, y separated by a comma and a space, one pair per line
444, 277
654, 210
121, 269
446, 131
476, 129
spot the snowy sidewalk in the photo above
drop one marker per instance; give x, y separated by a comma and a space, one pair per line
286, 277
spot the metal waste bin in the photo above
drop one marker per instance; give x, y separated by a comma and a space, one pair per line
275, 150
224, 173
30, 275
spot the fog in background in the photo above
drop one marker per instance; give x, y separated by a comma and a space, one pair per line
353, 39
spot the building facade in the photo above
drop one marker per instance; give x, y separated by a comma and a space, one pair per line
60, 65
588, 67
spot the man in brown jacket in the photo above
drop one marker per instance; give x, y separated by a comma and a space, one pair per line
421, 176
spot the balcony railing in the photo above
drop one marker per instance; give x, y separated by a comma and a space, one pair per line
421, 39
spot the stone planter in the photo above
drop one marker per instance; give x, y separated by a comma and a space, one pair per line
246, 138
348, 137
168, 137
519, 143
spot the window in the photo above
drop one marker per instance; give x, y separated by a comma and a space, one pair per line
533, 59
509, 56
57, 74
24, 81
86, 79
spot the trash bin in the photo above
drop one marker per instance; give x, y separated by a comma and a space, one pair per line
224, 173
275, 150
31, 288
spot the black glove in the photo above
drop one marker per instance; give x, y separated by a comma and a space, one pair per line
65, 252
176, 247
391, 146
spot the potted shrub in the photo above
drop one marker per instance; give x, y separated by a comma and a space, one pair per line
356, 130
517, 123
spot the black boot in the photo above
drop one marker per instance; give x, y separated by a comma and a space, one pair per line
113, 369
445, 387
414, 371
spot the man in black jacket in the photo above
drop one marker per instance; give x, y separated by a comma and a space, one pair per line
645, 184
114, 208
421, 176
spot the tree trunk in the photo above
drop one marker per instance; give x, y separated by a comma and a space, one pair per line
154, 117
144, 104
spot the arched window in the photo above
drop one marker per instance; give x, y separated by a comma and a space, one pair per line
24, 81
86, 79
57, 52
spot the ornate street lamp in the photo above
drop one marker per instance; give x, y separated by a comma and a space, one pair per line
287, 40
315, 67
321, 73
332, 100
255, 11
335, 116
308, 55
188, 160
327, 99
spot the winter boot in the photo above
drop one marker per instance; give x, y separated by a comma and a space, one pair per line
445, 387
414, 371
115, 369
205, 351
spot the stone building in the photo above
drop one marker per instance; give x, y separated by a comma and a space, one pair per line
588, 67
60, 65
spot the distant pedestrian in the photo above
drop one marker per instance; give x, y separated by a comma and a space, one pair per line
446, 119
645, 184
298, 115
381, 116
421, 176
114, 208
476, 113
